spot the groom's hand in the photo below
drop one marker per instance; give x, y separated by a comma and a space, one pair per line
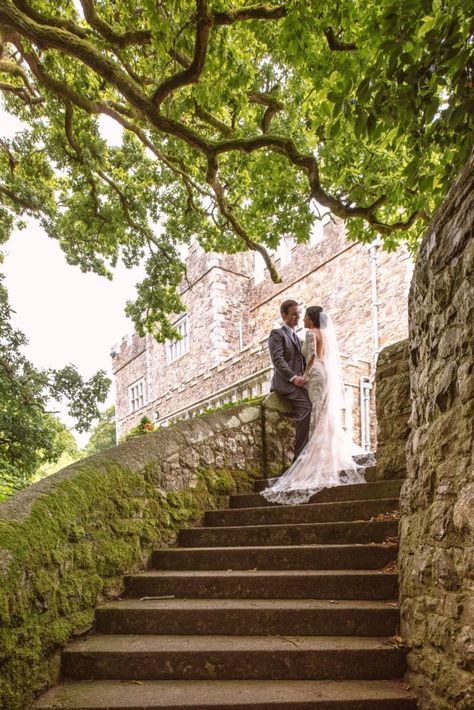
299, 381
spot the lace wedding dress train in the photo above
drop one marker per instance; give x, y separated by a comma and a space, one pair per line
327, 460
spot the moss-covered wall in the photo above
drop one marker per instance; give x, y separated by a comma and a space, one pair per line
66, 542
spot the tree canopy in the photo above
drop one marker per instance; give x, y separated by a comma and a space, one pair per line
241, 120
65, 450
103, 435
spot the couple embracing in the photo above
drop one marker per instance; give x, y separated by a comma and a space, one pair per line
309, 376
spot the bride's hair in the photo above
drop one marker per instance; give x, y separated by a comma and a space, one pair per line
316, 316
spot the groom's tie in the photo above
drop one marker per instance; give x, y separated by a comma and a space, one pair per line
295, 339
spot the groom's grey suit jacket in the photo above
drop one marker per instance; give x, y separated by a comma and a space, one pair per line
287, 360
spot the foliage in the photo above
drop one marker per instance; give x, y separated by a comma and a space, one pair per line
239, 120
66, 443
145, 426
103, 435
249, 401
29, 436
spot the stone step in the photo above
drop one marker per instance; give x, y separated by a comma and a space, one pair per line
128, 657
306, 533
229, 695
265, 584
358, 491
313, 513
370, 474
248, 617
374, 556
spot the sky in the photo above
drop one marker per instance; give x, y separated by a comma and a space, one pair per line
68, 316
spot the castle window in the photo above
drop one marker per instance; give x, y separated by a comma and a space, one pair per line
241, 336
176, 348
323, 217
136, 395
347, 417
317, 233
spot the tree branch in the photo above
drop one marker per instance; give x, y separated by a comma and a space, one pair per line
253, 12
19, 201
226, 211
76, 46
204, 22
402, 226
213, 121
272, 104
68, 117
9, 66
107, 32
335, 45
200, 111
113, 110
36, 16
191, 74
18, 90
130, 221
123, 200
12, 161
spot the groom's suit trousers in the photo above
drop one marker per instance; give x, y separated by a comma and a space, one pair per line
288, 361
302, 410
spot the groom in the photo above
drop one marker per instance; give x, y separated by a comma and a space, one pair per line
289, 364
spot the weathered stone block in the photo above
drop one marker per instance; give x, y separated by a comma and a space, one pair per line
393, 406
464, 510
249, 414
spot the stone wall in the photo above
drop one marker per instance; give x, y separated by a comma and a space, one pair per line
278, 435
437, 504
67, 541
393, 408
394, 274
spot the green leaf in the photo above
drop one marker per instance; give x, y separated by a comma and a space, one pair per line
363, 90
427, 24
360, 125
371, 124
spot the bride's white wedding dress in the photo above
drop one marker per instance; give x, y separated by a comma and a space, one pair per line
327, 460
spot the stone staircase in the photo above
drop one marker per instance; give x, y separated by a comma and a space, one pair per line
264, 607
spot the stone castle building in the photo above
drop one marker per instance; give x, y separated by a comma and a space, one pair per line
232, 304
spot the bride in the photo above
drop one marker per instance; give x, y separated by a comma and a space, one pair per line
327, 460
